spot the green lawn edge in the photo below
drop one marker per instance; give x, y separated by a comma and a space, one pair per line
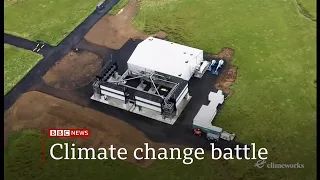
115, 9
17, 63
48, 21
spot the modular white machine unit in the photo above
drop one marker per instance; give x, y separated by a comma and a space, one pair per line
155, 83
206, 114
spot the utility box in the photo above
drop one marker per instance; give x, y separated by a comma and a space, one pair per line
202, 69
227, 136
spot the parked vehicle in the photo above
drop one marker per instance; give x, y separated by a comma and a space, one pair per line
202, 121
101, 5
211, 133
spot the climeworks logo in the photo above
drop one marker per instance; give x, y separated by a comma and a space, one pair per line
74, 133
272, 165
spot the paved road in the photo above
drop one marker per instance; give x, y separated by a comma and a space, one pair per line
58, 52
27, 44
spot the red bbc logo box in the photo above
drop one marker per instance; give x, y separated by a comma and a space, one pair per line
74, 133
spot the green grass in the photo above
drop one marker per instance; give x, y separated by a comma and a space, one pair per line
274, 97
49, 21
273, 104
17, 63
118, 7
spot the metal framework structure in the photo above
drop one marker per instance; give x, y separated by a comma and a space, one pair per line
154, 78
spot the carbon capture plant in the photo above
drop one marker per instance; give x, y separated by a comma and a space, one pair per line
155, 81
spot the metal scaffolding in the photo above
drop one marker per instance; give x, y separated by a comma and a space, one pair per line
154, 78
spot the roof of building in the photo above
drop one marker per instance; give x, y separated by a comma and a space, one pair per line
166, 57
206, 114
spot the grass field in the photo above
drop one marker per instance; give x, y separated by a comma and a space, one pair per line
273, 104
49, 21
17, 63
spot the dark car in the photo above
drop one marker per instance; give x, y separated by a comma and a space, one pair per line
101, 5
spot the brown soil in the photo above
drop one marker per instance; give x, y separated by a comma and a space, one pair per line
35, 110
160, 35
75, 70
114, 31
229, 73
225, 53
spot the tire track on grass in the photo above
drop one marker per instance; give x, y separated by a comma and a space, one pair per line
304, 12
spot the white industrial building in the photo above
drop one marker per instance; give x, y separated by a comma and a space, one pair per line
156, 55
155, 83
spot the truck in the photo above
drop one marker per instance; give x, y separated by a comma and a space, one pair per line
213, 133
202, 121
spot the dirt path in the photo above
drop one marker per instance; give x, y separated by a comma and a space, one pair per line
35, 110
114, 31
75, 70
228, 74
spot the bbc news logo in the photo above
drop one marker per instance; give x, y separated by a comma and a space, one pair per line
72, 133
